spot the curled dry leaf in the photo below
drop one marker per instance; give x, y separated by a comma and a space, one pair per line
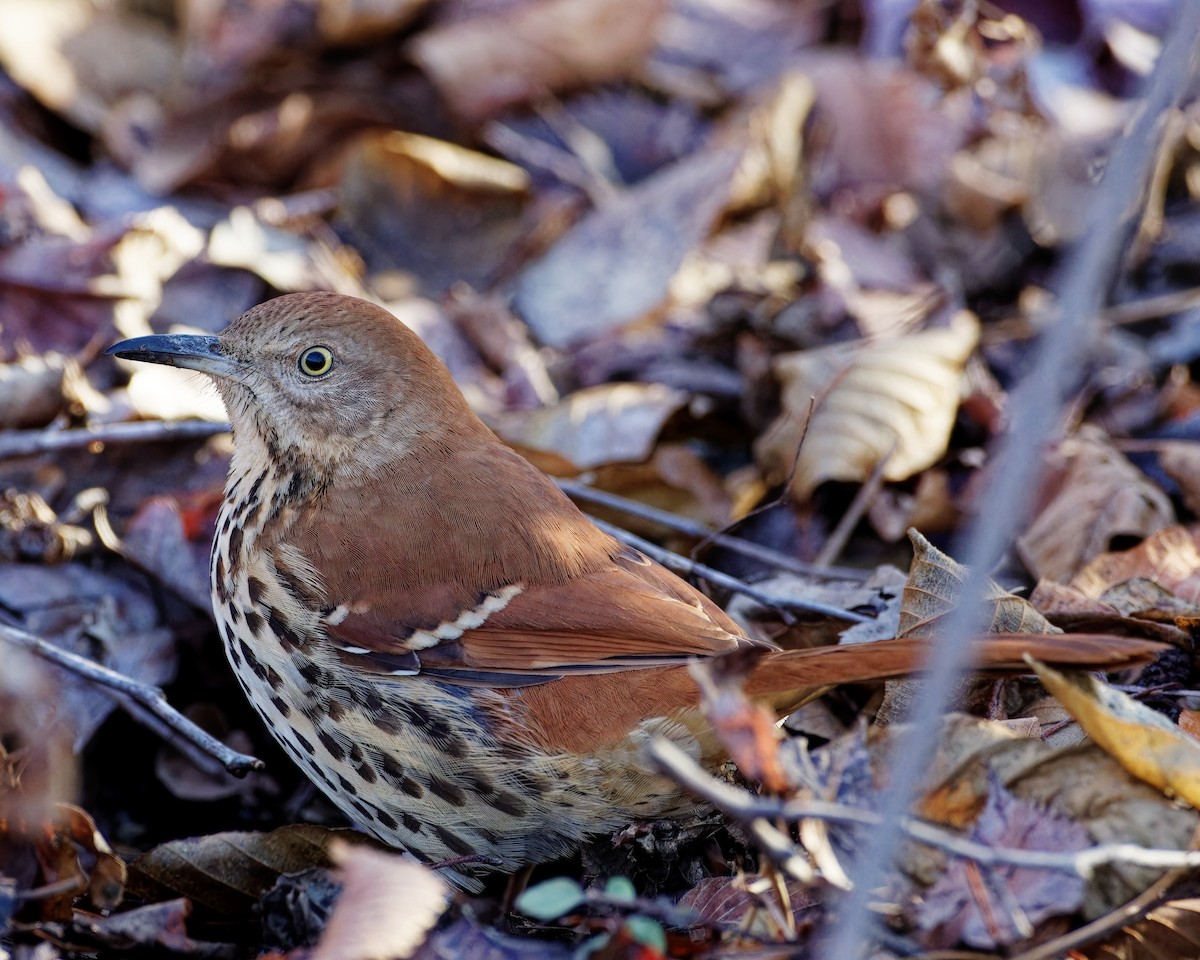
614, 423
893, 399
1143, 741
1098, 495
227, 872
1170, 557
615, 266
388, 905
934, 581
485, 63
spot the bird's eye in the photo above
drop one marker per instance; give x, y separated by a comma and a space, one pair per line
316, 361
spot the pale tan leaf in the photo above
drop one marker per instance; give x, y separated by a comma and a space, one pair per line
895, 399
934, 581
1180, 460
1100, 495
1171, 558
613, 423
388, 905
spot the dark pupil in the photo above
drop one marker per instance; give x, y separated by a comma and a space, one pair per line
314, 361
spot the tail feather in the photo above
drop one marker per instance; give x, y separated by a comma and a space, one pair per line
903, 656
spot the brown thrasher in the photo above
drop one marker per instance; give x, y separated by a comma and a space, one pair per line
439, 638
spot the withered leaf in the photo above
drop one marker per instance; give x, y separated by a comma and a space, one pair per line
893, 399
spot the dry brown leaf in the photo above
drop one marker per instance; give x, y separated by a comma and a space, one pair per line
615, 266
227, 872
1099, 495
893, 399
1145, 742
436, 211
1171, 558
614, 423
388, 905
79, 59
934, 581
485, 63
1168, 932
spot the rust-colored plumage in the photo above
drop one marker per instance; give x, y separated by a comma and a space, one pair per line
438, 637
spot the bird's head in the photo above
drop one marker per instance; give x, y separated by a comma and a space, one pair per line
322, 379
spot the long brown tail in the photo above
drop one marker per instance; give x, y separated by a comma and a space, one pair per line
889, 659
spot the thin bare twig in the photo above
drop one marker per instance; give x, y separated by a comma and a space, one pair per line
836, 542
25, 443
686, 567
147, 697
781, 561
1036, 408
745, 808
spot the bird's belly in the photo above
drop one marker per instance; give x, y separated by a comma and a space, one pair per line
417, 764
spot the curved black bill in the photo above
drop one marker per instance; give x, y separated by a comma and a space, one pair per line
176, 350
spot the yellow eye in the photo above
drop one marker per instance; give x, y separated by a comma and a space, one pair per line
316, 362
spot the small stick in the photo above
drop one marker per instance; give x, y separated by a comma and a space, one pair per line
24, 443
144, 695
744, 807
673, 561
671, 521
862, 501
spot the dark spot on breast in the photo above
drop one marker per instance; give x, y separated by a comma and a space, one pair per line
234, 657
413, 716
219, 583
335, 710
453, 841
386, 724
235, 542
311, 672
478, 784
453, 745
273, 678
369, 700
532, 782
367, 813
305, 743
251, 660
257, 589
411, 787
386, 819
391, 769
490, 837
283, 629
252, 493
255, 622
282, 706
345, 785
367, 772
449, 792
356, 753
509, 803
411, 823
336, 750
